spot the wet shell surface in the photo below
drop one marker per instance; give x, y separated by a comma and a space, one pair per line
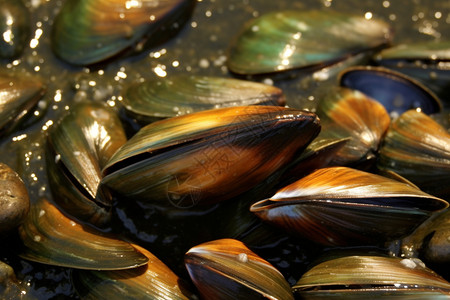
344, 206
209, 156
227, 269
86, 32
286, 40
49, 237
152, 281
346, 113
178, 95
77, 149
359, 277
418, 148
14, 199
15, 28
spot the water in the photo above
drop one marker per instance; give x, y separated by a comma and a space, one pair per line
200, 48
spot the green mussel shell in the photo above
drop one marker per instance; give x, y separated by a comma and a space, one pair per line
286, 40
374, 277
15, 28
77, 149
227, 269
344, 206
86, 32
49, 237
208, 156
178, 95
418, 148
152, 281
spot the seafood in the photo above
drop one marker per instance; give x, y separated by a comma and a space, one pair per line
209, 156
349, 113
20, 93
169, 97
418, 148
52, 238
90, 31
285, 40
77, 149
14, 200
227, 269
344, 206
15, 28
153, 281
356, 277
397, 92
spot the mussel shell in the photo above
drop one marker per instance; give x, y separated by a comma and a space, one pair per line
15, 28
396, 91
359, 277
178, 95
286, 40
77, 149
49, 237
20, 93
418, 148
90, 31
349, 113
343, 206
428, 62
208, 156
14, 199
153, 281
227, 269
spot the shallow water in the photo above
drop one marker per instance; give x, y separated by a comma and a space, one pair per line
200, 48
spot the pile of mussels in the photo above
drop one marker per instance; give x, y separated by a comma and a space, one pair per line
365, 178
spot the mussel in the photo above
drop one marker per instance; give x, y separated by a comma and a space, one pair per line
152, 281
50, 237
77, 149
418, 148
90, 31
428, 62
396, 91
344, 206
349, 113
15, 28
209, 156
20, 93
362, 277
14, 199
291, 39
155, 99
227, 269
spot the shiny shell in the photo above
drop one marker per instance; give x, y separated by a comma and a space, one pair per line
348, 113
90, 31
418, 148
14, 200
178, 95
152, 281
286, 40
208, 156
396, 91
374, 277
344, 206
20, 93
52, 238
227, 269
15, 28
77, 149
